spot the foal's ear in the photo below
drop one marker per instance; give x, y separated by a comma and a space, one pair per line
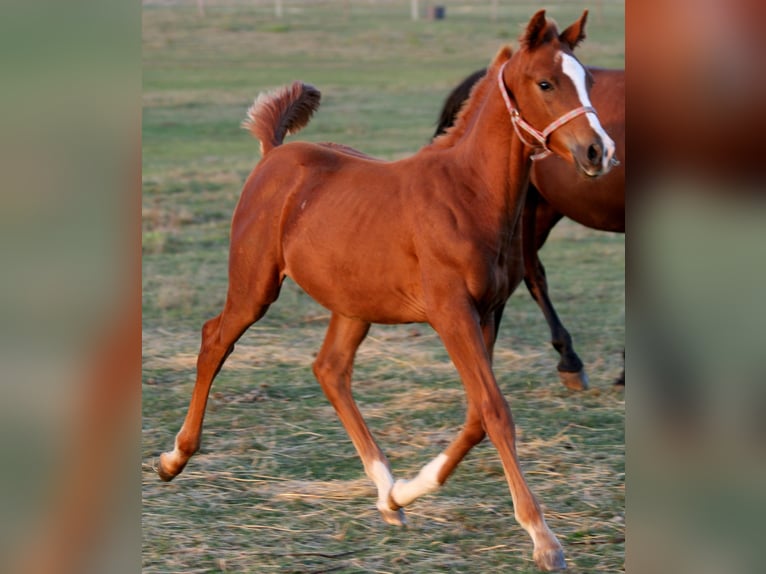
575, 33
535, 32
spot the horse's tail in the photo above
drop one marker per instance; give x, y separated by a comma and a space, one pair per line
276, 114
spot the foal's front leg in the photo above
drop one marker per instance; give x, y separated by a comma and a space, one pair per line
459, 329
333, 368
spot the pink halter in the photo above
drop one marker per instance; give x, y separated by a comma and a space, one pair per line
541, 136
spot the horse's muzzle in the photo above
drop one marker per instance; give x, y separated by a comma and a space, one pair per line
597, 158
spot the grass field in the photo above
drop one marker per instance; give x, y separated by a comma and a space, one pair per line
277, 486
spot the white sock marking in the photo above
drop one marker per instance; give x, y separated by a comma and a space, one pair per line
383, 480
405, 491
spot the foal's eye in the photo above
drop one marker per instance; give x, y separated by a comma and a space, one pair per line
545, 86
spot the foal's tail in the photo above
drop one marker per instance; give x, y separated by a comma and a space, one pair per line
276, 114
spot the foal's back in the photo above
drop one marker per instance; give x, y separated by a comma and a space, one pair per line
345, 228
354, 231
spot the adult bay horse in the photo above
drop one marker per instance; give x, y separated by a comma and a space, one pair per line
428, 239
556, 191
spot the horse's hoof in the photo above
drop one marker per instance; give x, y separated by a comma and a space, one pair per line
395, 517
550, 560
574, 381
163, 468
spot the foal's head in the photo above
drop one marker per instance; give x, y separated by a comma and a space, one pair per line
547, 82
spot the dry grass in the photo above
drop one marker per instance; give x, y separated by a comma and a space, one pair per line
278, 486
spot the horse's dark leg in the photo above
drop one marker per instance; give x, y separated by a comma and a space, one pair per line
333, 368
456, 322
538, 220
246, 302
433, 475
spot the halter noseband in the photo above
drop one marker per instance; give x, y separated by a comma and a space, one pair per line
541, 136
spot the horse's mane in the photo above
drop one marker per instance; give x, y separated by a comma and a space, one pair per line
474, 101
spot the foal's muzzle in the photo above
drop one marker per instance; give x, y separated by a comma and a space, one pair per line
597, 158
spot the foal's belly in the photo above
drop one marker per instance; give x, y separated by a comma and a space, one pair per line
348, 243
357, 277
374, 299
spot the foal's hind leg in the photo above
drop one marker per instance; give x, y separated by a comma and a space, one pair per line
433, 475
245, 304
333, 368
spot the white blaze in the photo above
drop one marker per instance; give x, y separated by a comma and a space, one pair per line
572, 68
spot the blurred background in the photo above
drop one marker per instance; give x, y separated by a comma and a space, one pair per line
695, 279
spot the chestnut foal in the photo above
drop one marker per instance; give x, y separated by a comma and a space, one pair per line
430, 238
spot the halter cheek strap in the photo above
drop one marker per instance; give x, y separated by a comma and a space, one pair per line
520, 124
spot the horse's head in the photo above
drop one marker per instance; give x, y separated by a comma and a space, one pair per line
550, 89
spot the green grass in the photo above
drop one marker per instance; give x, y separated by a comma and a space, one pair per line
277, 486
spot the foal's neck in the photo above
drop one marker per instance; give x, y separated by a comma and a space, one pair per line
491, 149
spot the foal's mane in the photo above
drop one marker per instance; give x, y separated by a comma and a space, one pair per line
474, 101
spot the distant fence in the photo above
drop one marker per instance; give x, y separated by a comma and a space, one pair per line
431, 9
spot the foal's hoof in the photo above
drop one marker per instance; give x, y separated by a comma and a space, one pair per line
395, 517
166, 469
550, 560
574, 381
